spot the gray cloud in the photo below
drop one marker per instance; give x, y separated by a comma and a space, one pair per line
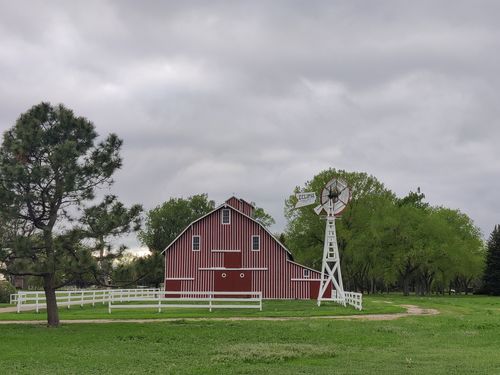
254, 98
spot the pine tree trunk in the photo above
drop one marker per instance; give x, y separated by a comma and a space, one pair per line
50, 297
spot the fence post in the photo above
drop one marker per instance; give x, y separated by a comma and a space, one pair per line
36, 303
260, 301
68, 299
159, 303
19, 302
109, 304
210, 296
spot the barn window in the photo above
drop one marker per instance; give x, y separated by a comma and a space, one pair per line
255, 243
196, 243
306, 273
226, 216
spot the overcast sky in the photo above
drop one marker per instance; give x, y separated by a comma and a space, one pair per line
255, 97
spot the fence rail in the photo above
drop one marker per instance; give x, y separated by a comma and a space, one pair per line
354, 299
201, 300
36, 300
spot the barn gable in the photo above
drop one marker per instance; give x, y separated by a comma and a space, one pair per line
241, 205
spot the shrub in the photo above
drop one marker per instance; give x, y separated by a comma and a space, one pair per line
6, 289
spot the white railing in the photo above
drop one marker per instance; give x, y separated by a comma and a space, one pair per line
354, 299
36, 300
204, 300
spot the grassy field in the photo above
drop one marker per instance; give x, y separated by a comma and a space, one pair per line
270, 308
463, 339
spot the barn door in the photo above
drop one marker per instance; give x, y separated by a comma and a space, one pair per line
232, 281
232, 259
314, 290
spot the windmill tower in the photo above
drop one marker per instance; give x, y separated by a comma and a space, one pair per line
333, 200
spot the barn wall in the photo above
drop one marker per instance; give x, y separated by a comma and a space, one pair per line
271, 270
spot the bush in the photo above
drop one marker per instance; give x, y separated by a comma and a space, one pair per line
6, 289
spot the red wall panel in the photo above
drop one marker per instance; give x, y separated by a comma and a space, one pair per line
270, 269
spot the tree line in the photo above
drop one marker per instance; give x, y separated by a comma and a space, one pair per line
57, 229
388, 243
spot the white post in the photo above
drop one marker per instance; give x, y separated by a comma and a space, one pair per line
68, 299
36, 303
260, 298
210, 296
159, 303
19, 302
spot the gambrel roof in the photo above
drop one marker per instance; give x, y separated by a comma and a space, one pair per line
226, 205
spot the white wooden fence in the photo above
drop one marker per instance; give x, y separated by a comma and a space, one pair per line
354, 299
146, 297
36, 300
204, 300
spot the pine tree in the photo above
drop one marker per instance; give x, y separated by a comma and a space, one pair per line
491, 277
50, 169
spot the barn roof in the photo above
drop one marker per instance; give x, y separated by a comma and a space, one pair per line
226, 205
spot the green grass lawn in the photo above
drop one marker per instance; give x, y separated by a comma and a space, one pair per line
463, 339
270, 308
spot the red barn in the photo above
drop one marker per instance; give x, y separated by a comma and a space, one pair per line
227, 250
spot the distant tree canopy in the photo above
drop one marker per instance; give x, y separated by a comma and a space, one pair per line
166, 221
389, 243
491, 279
263, 217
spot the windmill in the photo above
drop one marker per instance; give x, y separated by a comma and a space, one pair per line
333, 200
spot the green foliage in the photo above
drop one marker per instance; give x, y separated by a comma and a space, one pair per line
166, 221
387, 242
103, 222
163, 224
6, 289
305, 230
263, 217
491, 278
50, 166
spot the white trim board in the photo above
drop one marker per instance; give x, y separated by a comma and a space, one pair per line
232, 269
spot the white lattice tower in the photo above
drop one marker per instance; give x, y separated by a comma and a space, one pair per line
330, 269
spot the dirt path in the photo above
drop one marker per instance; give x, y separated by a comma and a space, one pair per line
411, 310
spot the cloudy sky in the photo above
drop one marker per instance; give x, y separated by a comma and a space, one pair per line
256, 97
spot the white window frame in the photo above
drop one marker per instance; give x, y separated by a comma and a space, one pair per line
199, 242
306, 273
222, 216
251, 242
